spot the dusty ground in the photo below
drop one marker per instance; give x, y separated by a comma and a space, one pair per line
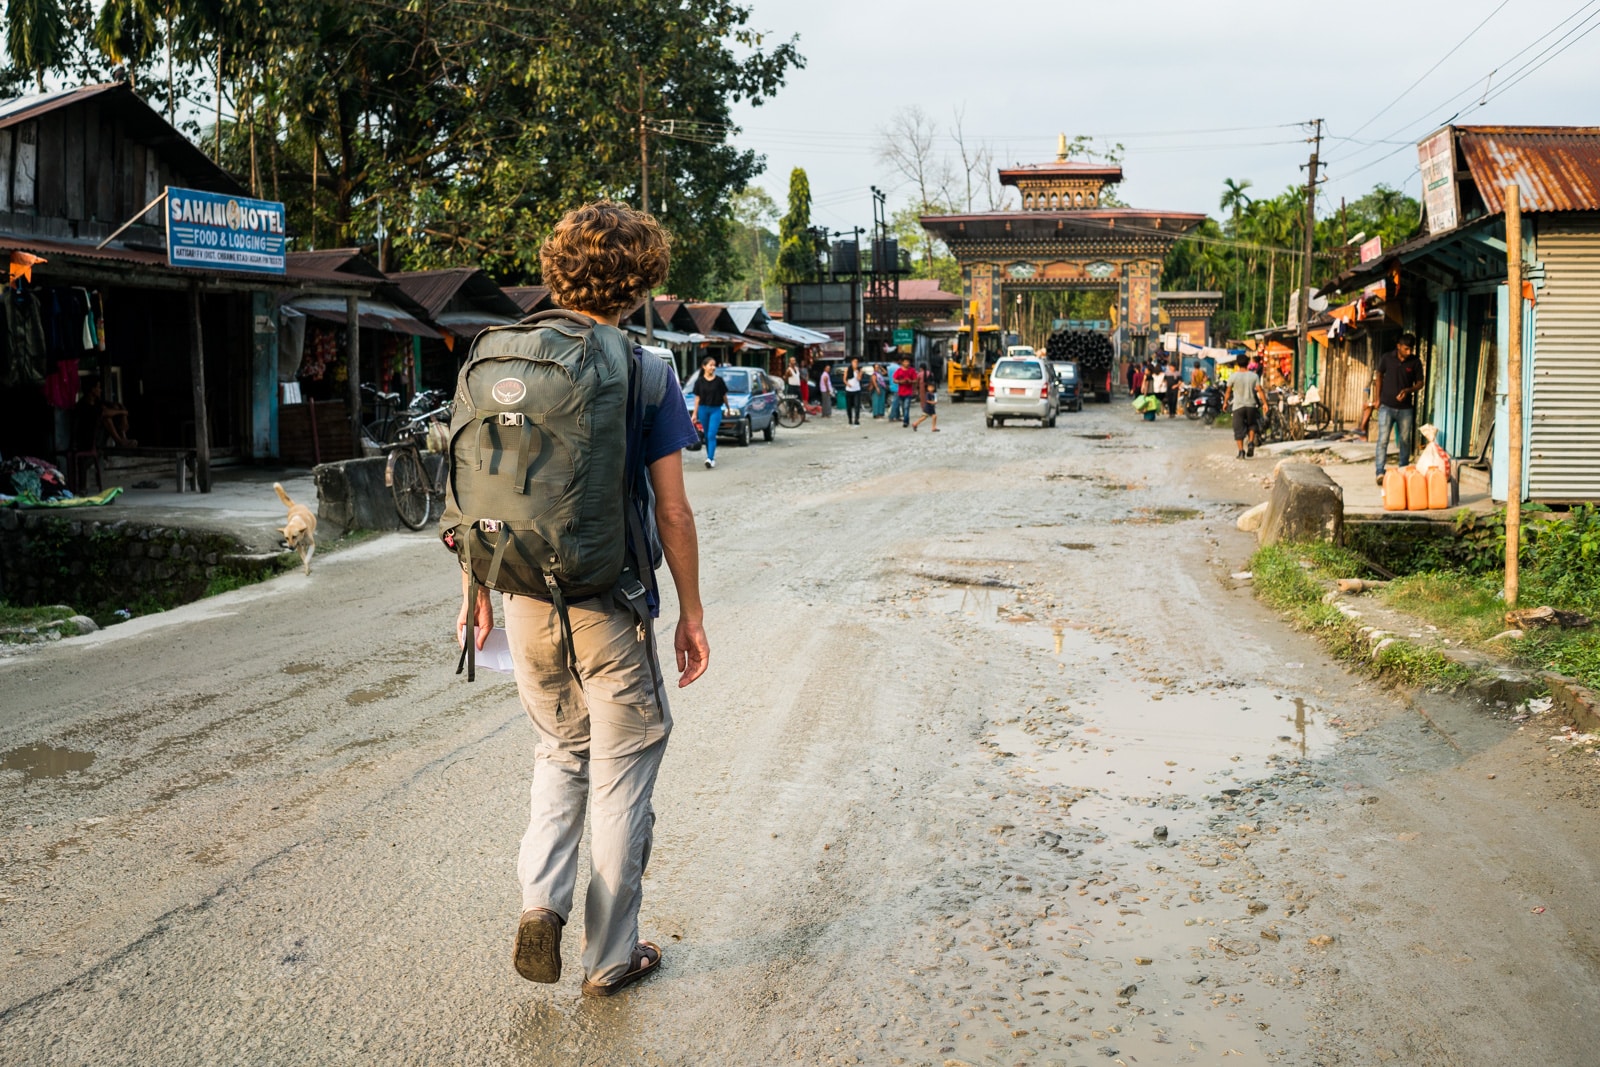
992, 767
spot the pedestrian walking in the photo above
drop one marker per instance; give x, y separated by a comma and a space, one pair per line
1245, 398
852, 392
825, 392
929, 403
880, 390
710, 393
1396, 384
586, 669
1174, 381
905, 388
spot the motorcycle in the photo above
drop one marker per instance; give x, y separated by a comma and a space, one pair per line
1203, 403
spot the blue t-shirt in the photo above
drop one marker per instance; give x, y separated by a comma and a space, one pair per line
667, 429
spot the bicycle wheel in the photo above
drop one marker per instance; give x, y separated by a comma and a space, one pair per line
1317, 416
791, 413
412, 501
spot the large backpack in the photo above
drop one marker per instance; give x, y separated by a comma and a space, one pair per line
538, 499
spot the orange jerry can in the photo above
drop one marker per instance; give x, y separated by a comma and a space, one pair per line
1438, 489
1394, 490
1416, 490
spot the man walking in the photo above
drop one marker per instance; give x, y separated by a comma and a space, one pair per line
1246, 398
905, 384
1396, 385
586, 669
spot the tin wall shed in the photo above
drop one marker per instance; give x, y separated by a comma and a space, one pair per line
1564, 436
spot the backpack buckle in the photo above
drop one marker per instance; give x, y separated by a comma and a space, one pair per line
489, 525
510, 418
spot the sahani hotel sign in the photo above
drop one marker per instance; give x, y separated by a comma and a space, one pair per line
224, 232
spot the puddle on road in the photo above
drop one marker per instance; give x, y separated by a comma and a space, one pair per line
301, 668
1076, 546
1152, 516
378, 692
1132, 744
45, 761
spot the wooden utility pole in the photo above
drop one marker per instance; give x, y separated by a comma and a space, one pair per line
352, 334
644, 205
1304, 320
1513, 390
197, 378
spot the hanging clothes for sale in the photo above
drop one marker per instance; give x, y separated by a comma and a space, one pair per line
61, 385
24, 337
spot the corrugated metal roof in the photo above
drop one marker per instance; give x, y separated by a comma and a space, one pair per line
529, 298
338, 261
1555, 168
141, 121
744, 312
296, 272
372, 314
926, 291
797, 335
434, 289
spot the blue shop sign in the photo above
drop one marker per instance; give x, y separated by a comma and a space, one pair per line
224, 232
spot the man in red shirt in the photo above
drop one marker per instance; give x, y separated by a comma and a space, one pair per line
905, 381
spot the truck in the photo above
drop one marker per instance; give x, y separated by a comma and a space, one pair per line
977, 346
1094, 354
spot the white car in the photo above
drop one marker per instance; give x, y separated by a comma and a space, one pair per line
1022, 387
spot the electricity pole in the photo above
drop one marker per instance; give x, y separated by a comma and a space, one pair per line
1305, 260
644, 205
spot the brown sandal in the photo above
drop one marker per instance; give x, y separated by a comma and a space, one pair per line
538, 953
646, 958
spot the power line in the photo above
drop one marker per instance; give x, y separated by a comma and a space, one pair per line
1423, 77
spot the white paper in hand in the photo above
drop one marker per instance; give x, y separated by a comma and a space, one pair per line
495, 655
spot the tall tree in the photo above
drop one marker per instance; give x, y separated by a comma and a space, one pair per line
36, 36
797, 252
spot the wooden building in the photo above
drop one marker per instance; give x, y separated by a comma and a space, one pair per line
192, 354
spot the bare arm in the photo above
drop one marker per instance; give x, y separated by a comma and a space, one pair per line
681, 545
483, 616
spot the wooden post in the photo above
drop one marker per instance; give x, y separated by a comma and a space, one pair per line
197, 377
352, 335
1513, 390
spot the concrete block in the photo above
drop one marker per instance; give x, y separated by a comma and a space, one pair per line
1306, 505
351, 496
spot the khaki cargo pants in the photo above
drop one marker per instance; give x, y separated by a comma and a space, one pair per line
600, 745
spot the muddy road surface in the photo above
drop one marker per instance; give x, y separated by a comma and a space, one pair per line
993, 765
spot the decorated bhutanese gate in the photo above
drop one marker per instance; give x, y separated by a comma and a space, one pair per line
1063, 239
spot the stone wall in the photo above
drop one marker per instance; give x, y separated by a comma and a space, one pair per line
49, 557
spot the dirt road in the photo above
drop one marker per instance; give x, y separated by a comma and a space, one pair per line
992, 766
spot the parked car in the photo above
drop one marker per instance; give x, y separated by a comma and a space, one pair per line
1022, 388
752, 405
1069, 384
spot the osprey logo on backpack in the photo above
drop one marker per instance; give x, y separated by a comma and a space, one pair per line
509, 391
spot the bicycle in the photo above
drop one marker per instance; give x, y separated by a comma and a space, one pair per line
386, 421
406, 475
791, 412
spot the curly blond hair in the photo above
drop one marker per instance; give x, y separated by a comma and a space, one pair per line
604, 257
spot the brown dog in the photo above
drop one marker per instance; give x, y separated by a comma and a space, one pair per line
300, 531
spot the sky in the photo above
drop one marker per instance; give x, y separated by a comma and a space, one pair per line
1196, 91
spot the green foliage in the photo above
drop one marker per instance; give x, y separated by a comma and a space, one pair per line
472, 126
754, 250
1286, 584
36, 36
1254, 254
797, 250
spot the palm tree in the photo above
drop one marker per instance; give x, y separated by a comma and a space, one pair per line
125, 31
36, 36
1234, 198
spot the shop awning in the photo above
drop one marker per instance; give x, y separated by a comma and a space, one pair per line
469, 324
373, 314
671, 337
739, 341
795, 335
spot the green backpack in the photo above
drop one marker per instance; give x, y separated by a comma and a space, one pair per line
537, 495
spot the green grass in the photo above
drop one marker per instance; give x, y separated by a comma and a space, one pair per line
1296, 590
12, 615
1470, 607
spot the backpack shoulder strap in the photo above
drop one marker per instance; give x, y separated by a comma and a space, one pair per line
555, 315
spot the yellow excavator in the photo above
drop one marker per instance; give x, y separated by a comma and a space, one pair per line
977, 348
